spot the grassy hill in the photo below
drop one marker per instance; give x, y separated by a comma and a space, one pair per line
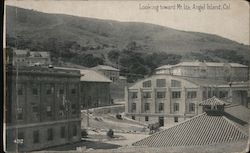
134, 47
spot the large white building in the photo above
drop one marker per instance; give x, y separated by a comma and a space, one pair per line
168, 99
209, 70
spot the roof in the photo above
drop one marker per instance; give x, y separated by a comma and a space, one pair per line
213, 101
93, 76
88, 75
240, 111
122, 78
199, 130
206, 82
197, 63
105, 67
20, 52
165, 67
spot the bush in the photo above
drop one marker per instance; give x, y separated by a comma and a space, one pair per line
119, 116
84, 133
110, 133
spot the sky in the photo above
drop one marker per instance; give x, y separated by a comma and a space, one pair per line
226, 18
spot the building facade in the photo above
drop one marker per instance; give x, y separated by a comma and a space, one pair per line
169, 99
42, 108
209, 70
94, 89
30, 58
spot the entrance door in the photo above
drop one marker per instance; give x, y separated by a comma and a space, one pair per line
161, 121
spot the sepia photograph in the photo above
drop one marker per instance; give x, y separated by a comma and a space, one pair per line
126, 76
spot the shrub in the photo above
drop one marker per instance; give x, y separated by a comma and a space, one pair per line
84, 133
110, 133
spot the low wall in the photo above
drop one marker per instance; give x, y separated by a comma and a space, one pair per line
115, 109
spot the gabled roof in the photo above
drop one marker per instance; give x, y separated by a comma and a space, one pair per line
213, 101
93, 76
105, 67
88, 75
200, 130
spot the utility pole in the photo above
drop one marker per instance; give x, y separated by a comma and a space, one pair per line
89, 100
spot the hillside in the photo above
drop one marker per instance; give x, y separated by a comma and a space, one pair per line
88, 42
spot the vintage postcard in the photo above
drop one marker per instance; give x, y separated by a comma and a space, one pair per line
127, 76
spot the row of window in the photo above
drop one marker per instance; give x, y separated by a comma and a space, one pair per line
48, 91
50, 134
35, 111
161, 107
161, 83
209, 94
162, 94
160, 118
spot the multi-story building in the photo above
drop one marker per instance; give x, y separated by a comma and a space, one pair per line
42, 108
209, 70
30, 58
168, 99
110, 72
94, 88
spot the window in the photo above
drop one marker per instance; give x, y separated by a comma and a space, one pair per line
134, 95
161, 83
73, 107
161, 94
73, 91
35, 109
204, 95
191, 94
146, 118
215, 93
48, 111
36, 136
50, 134
175, 119
191, 107
209, 94
147, 84
81, 88
62, 132
146, 94
74, 132
223, 94
133, 106
20, 91
176, 107
20, 135
19, 113
175, 83
61, 91
161, 106
176, 94
133, 117
146, 106
35, 91
49, 91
